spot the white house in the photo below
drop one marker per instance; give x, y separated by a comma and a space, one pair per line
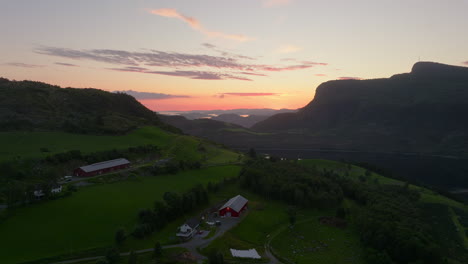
188, 229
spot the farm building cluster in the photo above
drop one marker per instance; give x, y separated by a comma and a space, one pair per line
234, 207
102, 167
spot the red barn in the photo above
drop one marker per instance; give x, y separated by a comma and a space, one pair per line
102, 167
234, 207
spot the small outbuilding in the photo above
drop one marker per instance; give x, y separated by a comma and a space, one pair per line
188, 229
234, 207
102, 167
251, 253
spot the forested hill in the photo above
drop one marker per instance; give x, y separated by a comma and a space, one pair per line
415, 111
28, 105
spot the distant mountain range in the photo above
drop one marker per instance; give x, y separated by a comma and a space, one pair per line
242, 117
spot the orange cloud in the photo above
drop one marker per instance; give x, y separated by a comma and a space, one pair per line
196, 25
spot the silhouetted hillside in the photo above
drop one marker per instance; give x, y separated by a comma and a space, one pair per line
28, 105
247, 121
422, 111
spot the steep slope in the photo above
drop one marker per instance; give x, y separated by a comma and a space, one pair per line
40, 106
424, 110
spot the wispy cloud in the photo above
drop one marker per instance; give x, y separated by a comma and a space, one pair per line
226, 53
288, 49
320, 74
465, 62
275, 3
24, 65
196, 25
300, 66
151, 96
253, 73
66, 64
349, 78
197, 75
193, 66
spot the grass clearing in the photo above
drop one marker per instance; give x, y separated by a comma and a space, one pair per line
313, 242
90, 217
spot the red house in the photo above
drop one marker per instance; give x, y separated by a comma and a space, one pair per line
234, 207
102, 167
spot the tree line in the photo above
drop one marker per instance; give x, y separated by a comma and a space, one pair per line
173, 206
389, 218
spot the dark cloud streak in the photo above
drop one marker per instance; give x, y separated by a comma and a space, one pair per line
66, 64
151, 96
24, 65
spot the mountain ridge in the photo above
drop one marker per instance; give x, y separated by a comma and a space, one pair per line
29, 105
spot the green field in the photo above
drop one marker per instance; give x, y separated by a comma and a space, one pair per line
29, 144
267, 220
90, 217
313, 242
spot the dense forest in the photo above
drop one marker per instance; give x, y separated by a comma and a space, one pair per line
391, 219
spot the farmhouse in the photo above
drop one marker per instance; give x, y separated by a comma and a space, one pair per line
102, 167
39, 193
187, 230
234, 207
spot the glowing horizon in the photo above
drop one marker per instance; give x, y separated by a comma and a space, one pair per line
182, 55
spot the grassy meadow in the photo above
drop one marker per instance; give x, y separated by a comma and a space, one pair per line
22, 144
90, 217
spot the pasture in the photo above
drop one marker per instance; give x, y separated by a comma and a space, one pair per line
22, 144
90, 217
313, 242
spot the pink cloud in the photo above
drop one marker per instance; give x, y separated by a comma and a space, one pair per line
195, 66
466, 62
349, 78
320, 74
196, 25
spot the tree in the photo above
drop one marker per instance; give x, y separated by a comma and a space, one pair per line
340, 213
292, 215
215, 257
132, 258
157, 250
112, 256
252, 153
120, 236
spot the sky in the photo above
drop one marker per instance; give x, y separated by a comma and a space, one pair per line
223, 54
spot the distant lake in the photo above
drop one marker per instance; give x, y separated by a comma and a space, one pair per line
449, 173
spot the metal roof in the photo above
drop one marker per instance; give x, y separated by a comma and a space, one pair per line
193, 222
105, 165
236, 203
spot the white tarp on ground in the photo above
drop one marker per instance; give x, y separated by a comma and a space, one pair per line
251, 253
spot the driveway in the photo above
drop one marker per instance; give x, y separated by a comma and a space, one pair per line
196, 242
199, 242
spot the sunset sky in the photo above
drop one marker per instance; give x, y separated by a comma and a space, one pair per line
224, 54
